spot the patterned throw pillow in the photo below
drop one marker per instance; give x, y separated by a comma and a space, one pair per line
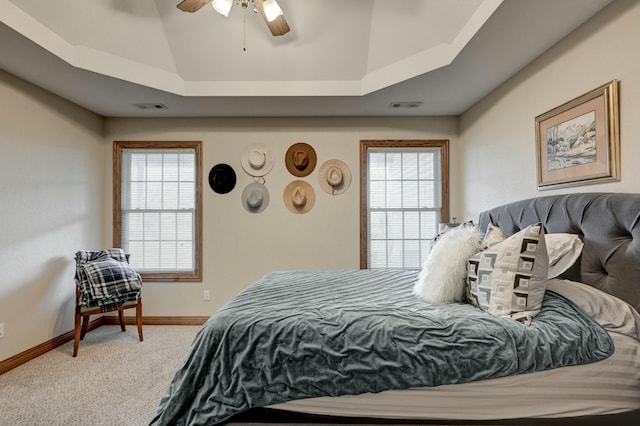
509, 278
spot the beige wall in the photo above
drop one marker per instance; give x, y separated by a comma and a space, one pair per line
497, 158
55, 178
51, 204
239, 247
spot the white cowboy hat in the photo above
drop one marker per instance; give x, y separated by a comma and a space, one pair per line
334, 177
299, 196
257, 159
255, 197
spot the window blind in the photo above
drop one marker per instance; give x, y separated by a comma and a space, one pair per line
404, 204
158, 201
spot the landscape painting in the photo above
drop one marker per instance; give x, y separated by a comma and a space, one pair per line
572, 143
578, 143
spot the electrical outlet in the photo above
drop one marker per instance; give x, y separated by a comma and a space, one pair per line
207, 295
1, 330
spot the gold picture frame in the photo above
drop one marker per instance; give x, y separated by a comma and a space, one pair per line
578, 143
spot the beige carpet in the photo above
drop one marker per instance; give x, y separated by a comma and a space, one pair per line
114, 380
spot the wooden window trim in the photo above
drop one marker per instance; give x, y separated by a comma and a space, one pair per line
443, 144
118, 146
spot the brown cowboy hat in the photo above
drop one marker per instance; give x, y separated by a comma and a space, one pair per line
300, 159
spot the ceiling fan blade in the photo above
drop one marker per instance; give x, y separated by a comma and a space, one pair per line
192, 5
278, 26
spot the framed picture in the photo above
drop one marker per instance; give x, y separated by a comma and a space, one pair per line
578, 143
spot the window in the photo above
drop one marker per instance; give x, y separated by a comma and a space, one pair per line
157, 213
404, 194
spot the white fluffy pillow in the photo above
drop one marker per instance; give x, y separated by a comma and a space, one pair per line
443, 275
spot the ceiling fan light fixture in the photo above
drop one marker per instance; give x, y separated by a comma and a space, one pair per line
271, 10
223, 7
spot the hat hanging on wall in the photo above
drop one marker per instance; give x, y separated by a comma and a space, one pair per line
222, 178
299, 196
300, 159
257, 159
334, 177
255, 197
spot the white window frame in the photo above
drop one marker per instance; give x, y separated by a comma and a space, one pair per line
442, 211
195, 274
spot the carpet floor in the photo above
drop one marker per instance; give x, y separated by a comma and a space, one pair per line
114, 380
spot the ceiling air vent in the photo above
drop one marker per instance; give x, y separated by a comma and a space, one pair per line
395, 105
150, 106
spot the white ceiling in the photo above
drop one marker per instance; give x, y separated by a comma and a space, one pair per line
341, 58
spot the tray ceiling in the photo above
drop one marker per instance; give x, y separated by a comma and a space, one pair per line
356, 57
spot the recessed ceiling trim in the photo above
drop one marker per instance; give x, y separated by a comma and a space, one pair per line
28, 47
112, 65
116, 66
430, 59
407, 68
477, 20
273, 88
88, 58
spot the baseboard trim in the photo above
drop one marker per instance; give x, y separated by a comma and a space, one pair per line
42, 348
130, 320
26, 356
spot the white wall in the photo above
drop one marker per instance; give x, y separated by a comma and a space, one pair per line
238, 246
51, 204
497, 136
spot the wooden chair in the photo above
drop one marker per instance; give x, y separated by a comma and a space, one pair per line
83, 313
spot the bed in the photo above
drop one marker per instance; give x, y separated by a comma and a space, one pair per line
359, 347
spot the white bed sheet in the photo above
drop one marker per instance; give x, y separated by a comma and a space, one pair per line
609, 386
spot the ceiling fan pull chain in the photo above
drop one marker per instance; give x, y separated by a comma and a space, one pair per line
244, 30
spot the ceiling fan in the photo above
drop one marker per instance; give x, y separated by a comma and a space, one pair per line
269, 9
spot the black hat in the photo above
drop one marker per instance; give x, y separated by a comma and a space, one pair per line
222, 178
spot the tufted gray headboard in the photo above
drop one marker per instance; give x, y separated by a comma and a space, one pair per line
609, 225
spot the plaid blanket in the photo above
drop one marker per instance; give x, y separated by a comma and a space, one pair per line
106, 279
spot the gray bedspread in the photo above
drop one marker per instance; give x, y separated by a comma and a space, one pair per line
302, 334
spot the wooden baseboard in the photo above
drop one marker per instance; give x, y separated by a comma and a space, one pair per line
130, 320
36, 351
42, 348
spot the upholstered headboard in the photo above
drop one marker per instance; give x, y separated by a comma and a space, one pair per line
609, 225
